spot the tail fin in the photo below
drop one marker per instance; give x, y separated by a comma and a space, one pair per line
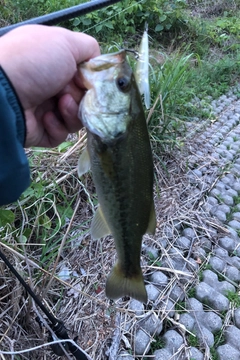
119, 285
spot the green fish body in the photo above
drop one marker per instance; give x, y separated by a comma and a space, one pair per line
122, 167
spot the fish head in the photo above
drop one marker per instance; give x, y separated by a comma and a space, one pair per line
105, 108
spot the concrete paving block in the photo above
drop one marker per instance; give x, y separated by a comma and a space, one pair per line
227, 180
142, 342
215, 192
206, 244
236, 216
152, 292
177, 224
151, 323
232, 192
199, 253
167, 307
173, 340
217, 263
220, 252
178, 263
227, 199
220, 186
183, 242
220, 215
152, 251
177, 293
225, 208
189, 233
187, 320
227, 352
212, 321
136, 306
210, 278
224, 287
192, 265
232, 336
234, 224
227, 243
207, 294
233, 233
237, 317
162, 354
233, 273
195, 354
231, 179
194, 305
236, 186
159, 278
236, 169
236, 262
212, 200
204, 335
213, 209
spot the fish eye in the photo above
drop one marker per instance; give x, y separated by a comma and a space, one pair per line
123, 83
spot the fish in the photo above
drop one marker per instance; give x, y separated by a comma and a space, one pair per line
119, 155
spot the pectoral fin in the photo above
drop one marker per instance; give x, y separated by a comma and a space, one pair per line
99, 227
84, 164
152, 221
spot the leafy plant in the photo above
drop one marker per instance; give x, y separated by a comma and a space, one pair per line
127, 17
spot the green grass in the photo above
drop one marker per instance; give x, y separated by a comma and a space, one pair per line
157, 344
193, 340
234, 298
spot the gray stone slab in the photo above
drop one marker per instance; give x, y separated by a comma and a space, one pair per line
173, 340
213, 298
232, 336
142, 342
227, 352
227, 243
237, 317
217, 263
152, 292
162, 354
159, 278
195, 354
187, 320
151, 323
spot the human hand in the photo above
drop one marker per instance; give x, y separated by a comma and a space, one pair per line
41, 63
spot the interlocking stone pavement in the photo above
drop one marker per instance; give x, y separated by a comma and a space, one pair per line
212, 313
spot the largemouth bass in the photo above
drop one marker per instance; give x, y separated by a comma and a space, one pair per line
119, 153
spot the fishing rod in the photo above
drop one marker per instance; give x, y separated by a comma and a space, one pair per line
56, 325
62, 15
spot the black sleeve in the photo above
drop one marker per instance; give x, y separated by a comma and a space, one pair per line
14, 167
